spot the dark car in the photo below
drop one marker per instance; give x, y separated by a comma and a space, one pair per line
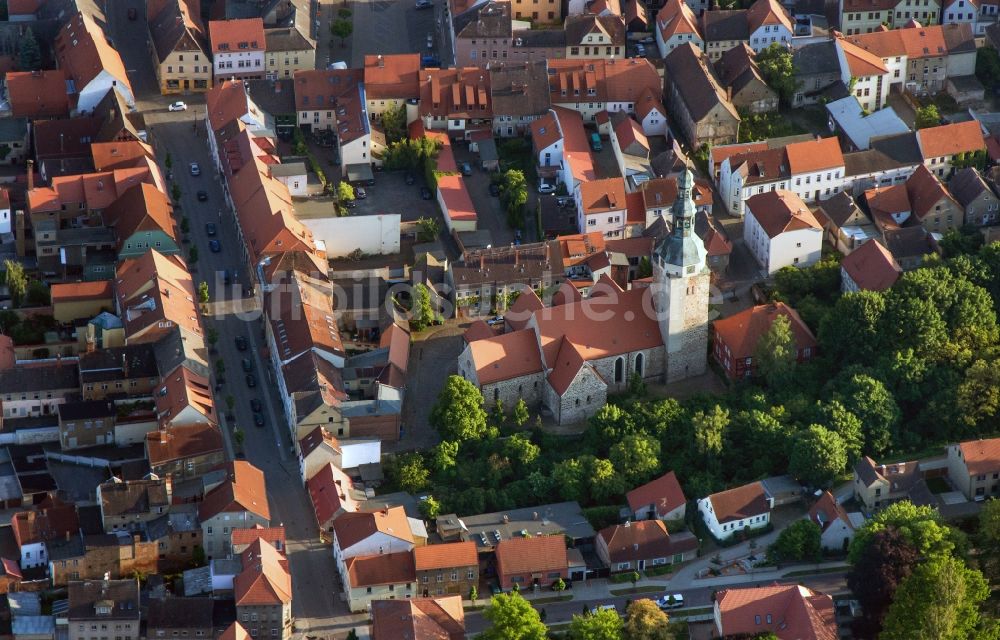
256, 405
214, 246
430, 61
210, 228
202, 196
425, 193
258, 419
247, 364
241, 343
466, 169
494, 190
226, 279
251, 381
132, 13
350, 204
360, 193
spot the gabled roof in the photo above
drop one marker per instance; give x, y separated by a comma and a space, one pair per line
456, 93
120, 154
579, 27
392, 76
52, 521
142, 207
182, 442
692, 75
600, 196
767, 12
243, 490
235, 631
175, 29
664, 493
677, 18
740, 503
386, 568
82, 49
440, 618
540, 554
644, 539
967, 185
234, 36
432, 557
725, 24
330, 492
827, 510
860, 61
781, 211
38, 94
925, 191
872, 268
505, 357
272, 535
981, 456
814, 155
265, 579
951, 139
352, 528
789, 611
743, 330
565, 368
155, 288
578, 80
180, 389
519, 88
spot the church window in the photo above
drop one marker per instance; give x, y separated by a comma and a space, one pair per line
619, 369
638, 364
496, 394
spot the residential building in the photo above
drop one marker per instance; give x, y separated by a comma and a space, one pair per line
836, 525
127, 370
320, 448
37, 95
591, 86
112, 605
87, 423
34, 390
335, 99
527, 562
239, 502
238, 49
391, 81
383, 576
865, 16
263, 592
332, 494
879, 485
275, 536
676, 24
179, 49
696, 99
142, 218
90, 62
921, 200
925, 13
735, 338
941, 146
185, 398
35, 530
365, 534
978, 13
816, 69
14, 136
127, 505
642, 545
974, 468
869, 268
600, 206
92, 557
563, 519
910, 245
186, 451
520, 95
787, 611
781, 231
154, 293
651, 113
735, 510
287, 50
483, 34
172, 617
659, 499
981, 204
487, 273
455, 100
856, 128
80, 300
846, 226
442, 617
765, 23
450, 568
745, 85
178, 537
595, 36
890, 160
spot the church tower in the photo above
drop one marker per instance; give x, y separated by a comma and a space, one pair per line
681, 289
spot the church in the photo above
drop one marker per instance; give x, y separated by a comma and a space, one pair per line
567, 356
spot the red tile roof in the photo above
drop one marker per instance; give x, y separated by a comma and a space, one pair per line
265, 579
234, 36
565, 367
664, 494
767, 12
506, 356
827, 510
781, 211
457, 201
386, 568
235, 631
181, 389
352, 528
742, 331
600, 196
872, 267
644, 540
539, 554
677, 18
576, 148
792, 612
53, 521
445, 556
392, 76
330, 492
951, 139
441, 618
38, 94
861, 62
814, 155
981, 456
272, 535
740, 503
79, 291
243, 490
83, 51
545, 131
182, 442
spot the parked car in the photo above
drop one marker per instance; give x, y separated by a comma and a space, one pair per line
425, 193
430, 61
648, 40
195, 169
466, 169
640, 50
350, 204
595, 142
545, 187
251, 381
430, 41
177, 106
424, 4
202, 196
241, 343
670, 601
410, 178
258, 419
255, 405
494, 190
210, 228
214, 246
247, 364
360, 193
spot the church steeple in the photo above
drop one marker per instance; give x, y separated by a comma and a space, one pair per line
682, 252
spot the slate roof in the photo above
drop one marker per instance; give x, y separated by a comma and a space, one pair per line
696, 81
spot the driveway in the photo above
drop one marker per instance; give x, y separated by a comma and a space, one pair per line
315, 599
492, 217
393, 27
433, 357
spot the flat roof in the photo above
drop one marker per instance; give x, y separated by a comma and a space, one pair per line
562, 517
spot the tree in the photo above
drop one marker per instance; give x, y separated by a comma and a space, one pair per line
342, 28
458, 413
175, 192
410, 472
521, 414
775, 63
709, 429
920, 526
212, 335
520, 449
394, 123
345, 192
940, 599
192, 255
203, 296
168, 161
29, 53
818, 456
636, 458
421, 312
839, 420
645, 621
474, 593
352, 635
988, 539
16, 280
428, 229
604, 481
645, 268
511, 617
429, 508
885, 561
797, 542
220, 367
871, 402
559, 585
988, 67
570, 477
775, 354
928, 116
514, 195
230, 403
444, 455
604, 624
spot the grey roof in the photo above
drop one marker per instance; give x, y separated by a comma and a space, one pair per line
816, 58
275, 97
26, 603
66, 549
172, 350
170, 33
725, 25
33, 625
682, 248
908, 242
536, 38
520, 88
578, 26
287, 39
958, 38
860, 127
967, 185
13, 129
688, 69
563, 517
485, 20
180, 613
839, 208
107, 364
288, 169
54, 376
886, 152
86, 409
197, 581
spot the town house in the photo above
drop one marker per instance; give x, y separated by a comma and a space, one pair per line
642, 545
262, 591
781, 231
127, 505
527, 562
103, 610
239, 502
446, 569
974, 468
696, 99
659, 499
238, 48
179, 49
981, 204
732, 511
869, 268
735, 338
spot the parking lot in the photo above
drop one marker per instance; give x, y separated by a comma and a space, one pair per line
394, 27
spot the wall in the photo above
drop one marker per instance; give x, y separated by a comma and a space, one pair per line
374, 235
192, 67
253, 65
358, 453
216, 531
717, 530
509, 391
283, 64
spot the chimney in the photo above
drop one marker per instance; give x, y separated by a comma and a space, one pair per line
67, 535
729, 94
381, 61
31, 175
482, 262
163, 436
517, 257
124, 366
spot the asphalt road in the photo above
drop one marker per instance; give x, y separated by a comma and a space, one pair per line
558, 612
